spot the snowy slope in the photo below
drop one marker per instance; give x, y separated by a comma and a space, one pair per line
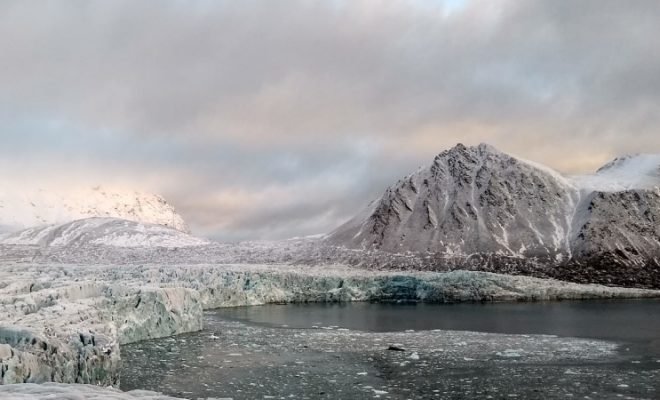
54, 391
28, 208
641, 171
102, 232
478, 200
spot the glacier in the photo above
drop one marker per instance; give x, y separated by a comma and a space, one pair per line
99, 231
65, 323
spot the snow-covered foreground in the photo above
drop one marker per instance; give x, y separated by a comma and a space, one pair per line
50, 391
65, 323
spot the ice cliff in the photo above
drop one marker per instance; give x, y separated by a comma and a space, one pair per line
65, 323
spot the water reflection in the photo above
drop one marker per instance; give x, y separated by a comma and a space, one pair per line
628, 321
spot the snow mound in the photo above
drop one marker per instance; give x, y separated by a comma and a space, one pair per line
28, 208
641, 171
102, 232
32, 391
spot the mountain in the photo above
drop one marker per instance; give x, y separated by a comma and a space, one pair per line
470, 200
480, 201
619, 212
97, 231
24, 209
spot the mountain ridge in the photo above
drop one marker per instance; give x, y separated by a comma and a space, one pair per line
479, 200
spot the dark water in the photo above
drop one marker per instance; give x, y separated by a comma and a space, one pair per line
631, 321
305, 352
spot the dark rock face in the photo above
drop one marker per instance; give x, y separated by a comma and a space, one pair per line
623, 224
618, 240
479, 202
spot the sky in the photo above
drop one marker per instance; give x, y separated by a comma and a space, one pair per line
262, 119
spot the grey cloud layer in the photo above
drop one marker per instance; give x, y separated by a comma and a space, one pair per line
264, 119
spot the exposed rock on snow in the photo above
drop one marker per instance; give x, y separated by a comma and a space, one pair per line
42, 207
624, 223
102, 232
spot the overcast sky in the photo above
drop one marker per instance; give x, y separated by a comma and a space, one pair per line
270, 119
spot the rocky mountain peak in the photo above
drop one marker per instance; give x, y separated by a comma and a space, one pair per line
480, 151
478, 201
470, 199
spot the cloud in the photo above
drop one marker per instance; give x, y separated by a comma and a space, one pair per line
263, 119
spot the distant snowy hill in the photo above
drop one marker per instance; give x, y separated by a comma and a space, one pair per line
102, 232
19, 210
641, 171
478, 200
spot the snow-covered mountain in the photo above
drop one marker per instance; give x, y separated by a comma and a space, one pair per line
470, 200
640, 171
98, 231
29, 208
478, 200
